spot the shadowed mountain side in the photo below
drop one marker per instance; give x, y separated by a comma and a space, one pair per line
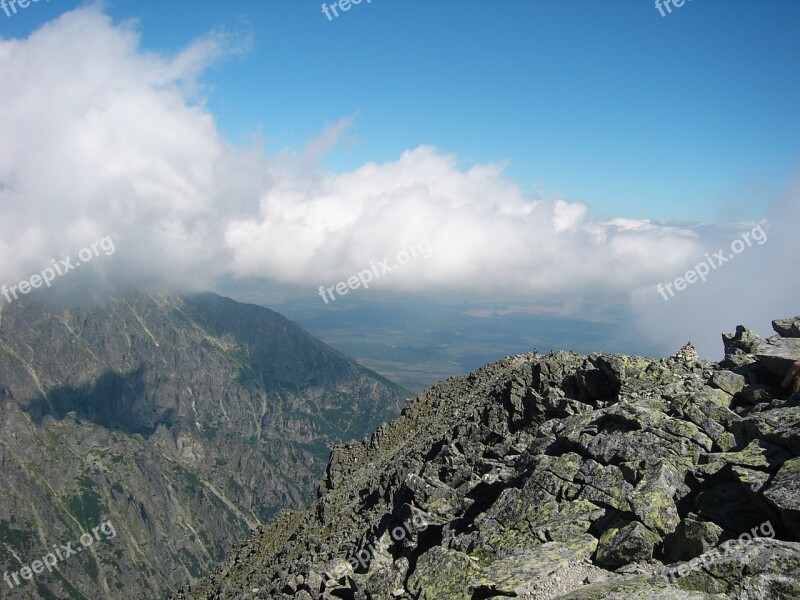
187, 421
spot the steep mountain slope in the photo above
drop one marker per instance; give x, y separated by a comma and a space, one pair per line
558, 476
184, 421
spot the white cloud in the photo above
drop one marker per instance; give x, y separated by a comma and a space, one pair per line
99, 137
486, 233
759, 284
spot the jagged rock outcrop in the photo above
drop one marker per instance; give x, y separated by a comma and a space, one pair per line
184, 420
557, 476
778, 352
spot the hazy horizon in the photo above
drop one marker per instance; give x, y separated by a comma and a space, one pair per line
583, 175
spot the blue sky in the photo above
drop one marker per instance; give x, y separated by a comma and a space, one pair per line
561, 158
692, 116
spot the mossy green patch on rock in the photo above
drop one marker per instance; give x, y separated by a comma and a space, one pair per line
625, 542
520, 573
443, 573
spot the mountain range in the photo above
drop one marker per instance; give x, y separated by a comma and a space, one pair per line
181, 422
193, 446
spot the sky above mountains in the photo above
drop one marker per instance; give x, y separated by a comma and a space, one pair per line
560, 158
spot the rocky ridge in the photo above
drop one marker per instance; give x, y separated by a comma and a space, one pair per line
556, 476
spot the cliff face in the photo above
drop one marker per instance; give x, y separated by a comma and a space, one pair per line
557, 476
184, 421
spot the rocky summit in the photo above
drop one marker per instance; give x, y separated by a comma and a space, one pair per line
556, 476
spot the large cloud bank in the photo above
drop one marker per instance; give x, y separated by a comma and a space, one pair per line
101, 138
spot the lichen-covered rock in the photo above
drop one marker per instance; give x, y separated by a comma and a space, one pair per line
520, 573
443, 573
742, 340
740, 347
784, 493
693, 537
388, 581
755, 570
729, 382
626, 542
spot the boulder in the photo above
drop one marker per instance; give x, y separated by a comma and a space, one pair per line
693, 537
744, 341
784, 493
778, 354
759, 569
728, 381
788, 328
626, 542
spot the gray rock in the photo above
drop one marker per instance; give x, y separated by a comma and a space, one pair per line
739, 348
743, 340
693, 537
756, 394
626, 542
760, 569
728, 381
443, 573
788, 328
778, 354
519, 574
388, 581
653, 498
784, 493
